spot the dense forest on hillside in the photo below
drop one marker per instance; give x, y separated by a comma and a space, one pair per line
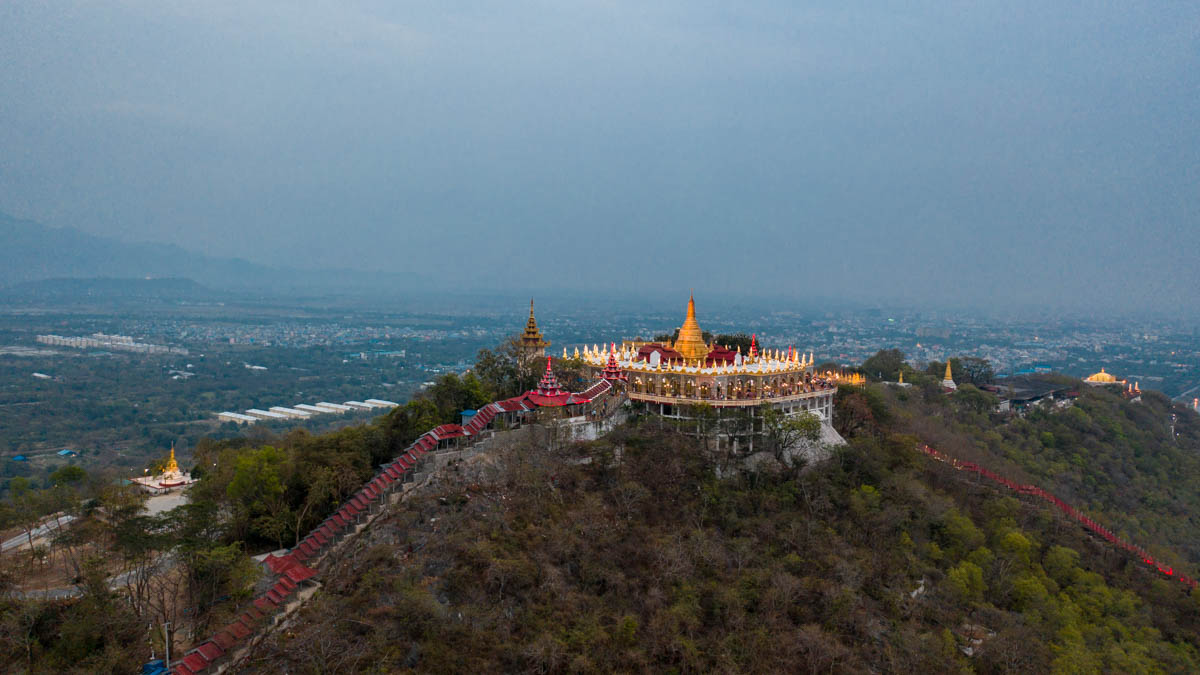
1133, 465
630, 554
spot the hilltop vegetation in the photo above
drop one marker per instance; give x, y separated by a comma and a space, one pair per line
1135, 466
630, 554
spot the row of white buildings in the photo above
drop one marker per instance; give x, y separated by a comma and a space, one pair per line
121, 343
303, 411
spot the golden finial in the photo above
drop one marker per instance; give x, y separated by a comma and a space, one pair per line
901, 380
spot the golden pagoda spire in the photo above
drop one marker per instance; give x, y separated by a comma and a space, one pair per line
948, 382
532, 340
901, 380
172, 466
690, 343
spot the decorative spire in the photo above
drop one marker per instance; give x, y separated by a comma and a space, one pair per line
549, 383
901, 380
612, 371
531, 339
753, 344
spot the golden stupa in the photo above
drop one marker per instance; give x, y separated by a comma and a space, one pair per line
172, 465
1100, 378
690, 343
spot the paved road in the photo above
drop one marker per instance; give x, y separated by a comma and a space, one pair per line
38, 533
154, 506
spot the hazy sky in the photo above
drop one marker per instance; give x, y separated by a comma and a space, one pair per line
958, 151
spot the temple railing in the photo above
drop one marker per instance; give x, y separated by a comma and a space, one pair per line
727, 402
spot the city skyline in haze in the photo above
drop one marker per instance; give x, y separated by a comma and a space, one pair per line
938, 153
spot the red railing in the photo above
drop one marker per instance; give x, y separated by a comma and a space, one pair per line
1066, 508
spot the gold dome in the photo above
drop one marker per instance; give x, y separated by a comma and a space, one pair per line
691, 339
1100, 377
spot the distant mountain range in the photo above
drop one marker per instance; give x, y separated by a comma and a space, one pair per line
32, 252
104, 288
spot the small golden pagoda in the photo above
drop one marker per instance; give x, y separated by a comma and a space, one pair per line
170, 479
948, 381
172, 465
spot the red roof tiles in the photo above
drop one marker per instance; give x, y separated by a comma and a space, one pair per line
211, 651
225, 639
194, 662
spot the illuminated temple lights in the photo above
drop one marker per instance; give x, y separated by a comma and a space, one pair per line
690, 370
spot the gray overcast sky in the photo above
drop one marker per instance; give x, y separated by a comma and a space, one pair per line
928, 152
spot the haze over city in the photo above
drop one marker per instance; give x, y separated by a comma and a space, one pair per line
1007, 155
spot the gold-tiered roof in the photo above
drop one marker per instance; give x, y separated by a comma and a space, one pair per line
690, 343
532, 338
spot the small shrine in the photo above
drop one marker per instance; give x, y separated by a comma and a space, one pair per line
172, 478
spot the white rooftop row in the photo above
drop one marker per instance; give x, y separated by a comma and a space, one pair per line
303, 410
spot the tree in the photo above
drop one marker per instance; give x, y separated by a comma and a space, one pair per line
507, 370
452, 394
68, 475
965, 580
973, 399
28, 510
735, 342
99, 631
322, 488
884, 365
973, 370
210, 569
783, 432
853, 414
966, 370
257, 490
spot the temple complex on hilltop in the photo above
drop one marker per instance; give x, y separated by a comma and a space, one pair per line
172, 478
723, 390
676, 379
